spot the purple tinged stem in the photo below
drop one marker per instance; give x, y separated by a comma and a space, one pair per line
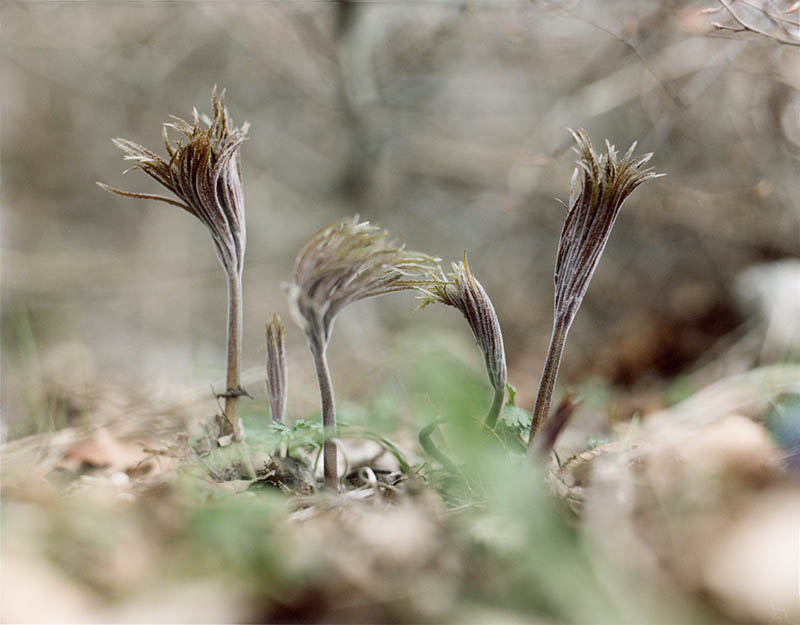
548, 379
329, 450
234, 348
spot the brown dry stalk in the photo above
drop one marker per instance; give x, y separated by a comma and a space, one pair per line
202, 171
607, 182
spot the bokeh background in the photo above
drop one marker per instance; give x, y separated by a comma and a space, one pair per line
444, 122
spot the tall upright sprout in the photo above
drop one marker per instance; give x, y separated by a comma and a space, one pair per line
461, 289
341, 264
607, 182
203, 173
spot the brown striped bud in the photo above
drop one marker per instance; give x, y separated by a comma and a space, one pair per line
344, 263
591, 213
461, 289
203, 173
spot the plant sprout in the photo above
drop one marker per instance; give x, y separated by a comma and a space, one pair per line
460, 289
341, 264
203, 173
607, 182
277, 370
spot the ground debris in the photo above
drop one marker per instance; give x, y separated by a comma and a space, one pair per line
290, 475
679, 482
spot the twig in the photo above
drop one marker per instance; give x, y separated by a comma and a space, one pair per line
745, 26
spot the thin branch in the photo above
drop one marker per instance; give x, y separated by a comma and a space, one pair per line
745, 26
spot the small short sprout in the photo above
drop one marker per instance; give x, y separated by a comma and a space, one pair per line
277, 369
461, 289
591, 212
202, 171
341, 264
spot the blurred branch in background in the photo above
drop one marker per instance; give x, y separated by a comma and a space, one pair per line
441, 120
762, 17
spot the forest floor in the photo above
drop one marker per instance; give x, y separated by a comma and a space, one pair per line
147, 516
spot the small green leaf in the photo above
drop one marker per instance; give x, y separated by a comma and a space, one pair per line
516, 418
512, 393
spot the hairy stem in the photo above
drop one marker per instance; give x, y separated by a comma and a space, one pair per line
496, 407
330, 468
233, 389
548, 380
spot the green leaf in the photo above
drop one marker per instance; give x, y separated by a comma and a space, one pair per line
512, 393
516, 418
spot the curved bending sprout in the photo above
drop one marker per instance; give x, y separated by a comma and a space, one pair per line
461, 289
607, 182
341, 264
203, 173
